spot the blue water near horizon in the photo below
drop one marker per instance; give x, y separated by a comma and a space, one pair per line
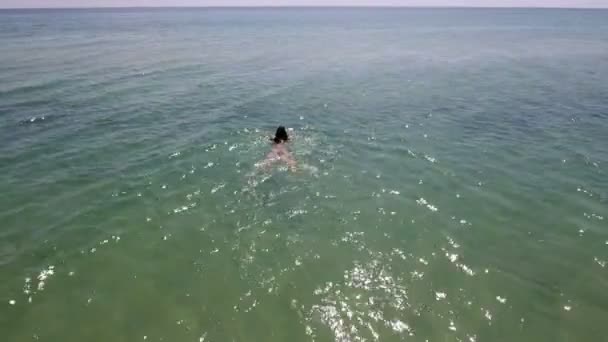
451, 183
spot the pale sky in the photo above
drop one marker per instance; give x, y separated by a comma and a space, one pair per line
176, 3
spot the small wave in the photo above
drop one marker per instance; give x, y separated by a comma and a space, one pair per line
34, 119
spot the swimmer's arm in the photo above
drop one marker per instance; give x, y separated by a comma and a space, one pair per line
291, 162
271, 157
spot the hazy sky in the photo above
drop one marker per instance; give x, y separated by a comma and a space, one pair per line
137, 3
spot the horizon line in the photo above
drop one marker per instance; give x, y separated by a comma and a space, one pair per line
302, 7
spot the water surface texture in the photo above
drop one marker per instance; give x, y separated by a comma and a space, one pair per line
452, 181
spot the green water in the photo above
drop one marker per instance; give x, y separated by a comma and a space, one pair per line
451, 182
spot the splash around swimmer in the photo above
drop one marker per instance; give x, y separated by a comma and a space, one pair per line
279, 152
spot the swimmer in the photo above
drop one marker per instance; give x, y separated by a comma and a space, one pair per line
279, 151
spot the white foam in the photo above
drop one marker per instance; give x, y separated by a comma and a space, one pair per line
452, 257
417, 275
373, 332
452, 242
440, 295
452, 326
500, 299
297, 212
400, 253
180, 209
567, 307
44, 275
399, 326
487, 315
431, 207
184, 208
217, 187
595, 216
12, 302
27, 286
466, 269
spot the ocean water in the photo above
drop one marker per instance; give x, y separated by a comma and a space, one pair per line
452, 180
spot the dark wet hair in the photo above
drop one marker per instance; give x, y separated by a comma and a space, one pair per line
281, 135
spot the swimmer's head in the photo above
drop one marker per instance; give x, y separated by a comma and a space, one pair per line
281, 135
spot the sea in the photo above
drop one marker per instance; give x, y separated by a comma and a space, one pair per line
451, 180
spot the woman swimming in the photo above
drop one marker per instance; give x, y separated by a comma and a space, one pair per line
280, 152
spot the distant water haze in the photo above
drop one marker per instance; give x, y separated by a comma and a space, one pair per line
195, 3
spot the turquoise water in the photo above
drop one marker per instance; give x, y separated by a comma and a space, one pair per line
452, 181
